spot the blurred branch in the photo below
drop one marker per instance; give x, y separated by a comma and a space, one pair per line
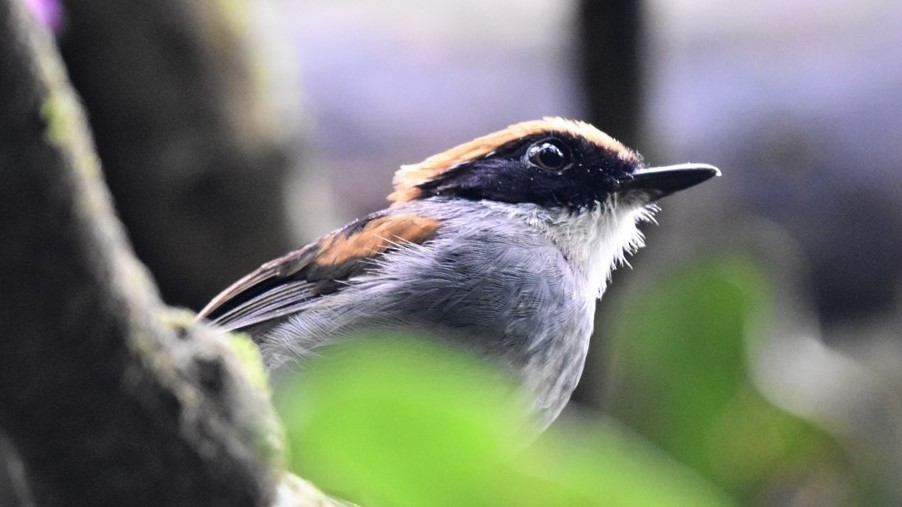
610, 32
107, 397
190, 149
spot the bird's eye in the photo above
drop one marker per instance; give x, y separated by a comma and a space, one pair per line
549, 155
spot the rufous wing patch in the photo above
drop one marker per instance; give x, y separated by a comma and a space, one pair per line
408, 178
374, 238
321, 267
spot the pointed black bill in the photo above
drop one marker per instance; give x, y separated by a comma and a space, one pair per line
662, 181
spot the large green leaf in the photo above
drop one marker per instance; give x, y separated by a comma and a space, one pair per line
403, 423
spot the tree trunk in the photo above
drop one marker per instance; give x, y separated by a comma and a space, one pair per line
107, 397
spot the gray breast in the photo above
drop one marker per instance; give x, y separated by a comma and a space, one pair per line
494, 286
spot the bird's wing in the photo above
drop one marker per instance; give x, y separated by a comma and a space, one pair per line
285, 285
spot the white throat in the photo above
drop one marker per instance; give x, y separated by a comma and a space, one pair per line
594, 241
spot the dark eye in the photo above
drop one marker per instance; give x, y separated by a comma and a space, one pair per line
549, 155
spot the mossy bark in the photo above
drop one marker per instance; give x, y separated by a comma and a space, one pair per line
106, 397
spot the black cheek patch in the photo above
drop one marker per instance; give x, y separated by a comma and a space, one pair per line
514, 181
505, 175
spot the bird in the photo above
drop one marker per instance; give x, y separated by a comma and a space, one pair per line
501, 245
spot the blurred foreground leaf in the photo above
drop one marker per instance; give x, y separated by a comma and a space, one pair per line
404, 423
684, 384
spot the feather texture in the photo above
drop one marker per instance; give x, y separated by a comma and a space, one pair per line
283, 286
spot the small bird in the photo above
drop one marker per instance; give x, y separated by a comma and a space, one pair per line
501, 245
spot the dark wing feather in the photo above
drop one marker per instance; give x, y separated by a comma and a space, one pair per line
285, 285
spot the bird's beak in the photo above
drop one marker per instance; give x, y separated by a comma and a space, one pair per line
661, 181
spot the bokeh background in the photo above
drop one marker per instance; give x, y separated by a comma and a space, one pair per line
756, 339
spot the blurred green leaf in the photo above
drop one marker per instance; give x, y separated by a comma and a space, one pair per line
400, 423
613, 467
405, 423
681, 348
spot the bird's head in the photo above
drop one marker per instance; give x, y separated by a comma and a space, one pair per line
553, 163
580, 186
